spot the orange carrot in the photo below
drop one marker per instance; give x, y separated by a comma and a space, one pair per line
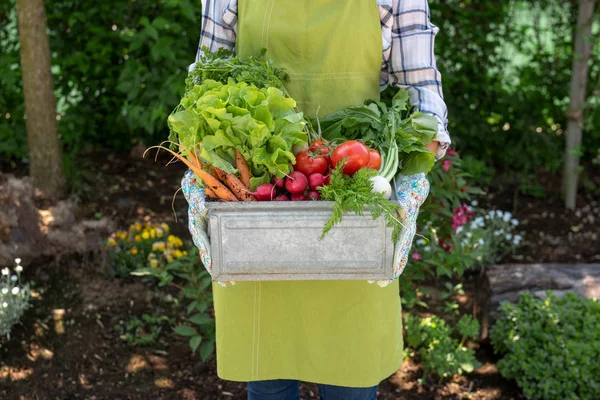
242, 166
235, 184
209, 192
210, 181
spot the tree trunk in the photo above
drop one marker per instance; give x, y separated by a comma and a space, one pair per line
581, 59
45, 155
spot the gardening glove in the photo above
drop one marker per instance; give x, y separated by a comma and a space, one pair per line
196, 197
412, 190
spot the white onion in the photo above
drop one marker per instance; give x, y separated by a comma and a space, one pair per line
381, 185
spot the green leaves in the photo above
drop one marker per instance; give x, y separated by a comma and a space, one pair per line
550, 346
184, 330
400, 141
219, 118
353, 195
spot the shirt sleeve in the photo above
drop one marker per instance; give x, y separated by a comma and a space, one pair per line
219, 26
411, 63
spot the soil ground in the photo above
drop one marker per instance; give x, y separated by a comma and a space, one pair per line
66, 347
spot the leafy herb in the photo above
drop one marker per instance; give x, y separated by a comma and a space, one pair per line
215, 119
400, 141
354, 194
221, 65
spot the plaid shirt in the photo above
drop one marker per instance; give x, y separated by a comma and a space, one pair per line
408, 51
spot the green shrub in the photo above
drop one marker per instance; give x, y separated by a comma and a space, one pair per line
551, 347
144, 331
441, 354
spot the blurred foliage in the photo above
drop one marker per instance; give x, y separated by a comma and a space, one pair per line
119, 69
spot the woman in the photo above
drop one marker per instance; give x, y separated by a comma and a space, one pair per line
345, 336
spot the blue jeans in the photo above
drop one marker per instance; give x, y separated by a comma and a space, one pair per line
284, 389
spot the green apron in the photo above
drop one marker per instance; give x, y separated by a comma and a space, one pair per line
343, 333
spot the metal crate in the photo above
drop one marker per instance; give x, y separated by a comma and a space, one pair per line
262, 241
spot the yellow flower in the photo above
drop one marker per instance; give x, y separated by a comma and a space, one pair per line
111, 242
158, 246
164, 227
169, 245
134, 251
178, 253
151, 256
138, 226
146, 235
154, 263
169, 259
138, 238
121, 235
153, 233
185, 253
159, 233
175, 240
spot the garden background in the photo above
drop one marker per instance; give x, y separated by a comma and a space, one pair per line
95, 330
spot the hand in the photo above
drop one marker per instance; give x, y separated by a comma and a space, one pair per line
412, 192
195, 196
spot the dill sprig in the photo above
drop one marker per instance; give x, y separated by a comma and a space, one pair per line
354, 195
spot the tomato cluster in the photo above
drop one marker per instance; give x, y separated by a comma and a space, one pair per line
354, 154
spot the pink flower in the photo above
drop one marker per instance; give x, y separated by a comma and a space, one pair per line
446, 164
451, 153
461, 216
417, 257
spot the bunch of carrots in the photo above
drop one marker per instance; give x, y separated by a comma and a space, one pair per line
217, 183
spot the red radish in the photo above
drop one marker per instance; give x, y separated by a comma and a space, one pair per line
278, 182
281, 197
296, 183
264, 192
315, 181
298, 197
314, 195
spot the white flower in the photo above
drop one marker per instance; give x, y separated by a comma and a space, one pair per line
507, 216
516, 338
420, 242
469, 234
5, 271
5, 304
515, 222
498, 232
459, 229
427, 248
18, 268
508, 237
17, 261
15, 290
499, 213
4, 290
14, 278
474, 203
517, 239
481, 242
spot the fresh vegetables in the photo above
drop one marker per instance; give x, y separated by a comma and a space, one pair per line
222, 65
309, 165
399, 139
296, 183
354, 194
265, 192
316, 180
374, 159
381, 185
321, 147
354, 155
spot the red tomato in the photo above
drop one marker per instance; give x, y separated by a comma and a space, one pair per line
374, 159
319, 146
309, 165
356, 155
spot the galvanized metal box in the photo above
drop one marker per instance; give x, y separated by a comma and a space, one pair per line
261, 241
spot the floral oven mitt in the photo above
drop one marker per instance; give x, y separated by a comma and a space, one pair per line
412, 191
